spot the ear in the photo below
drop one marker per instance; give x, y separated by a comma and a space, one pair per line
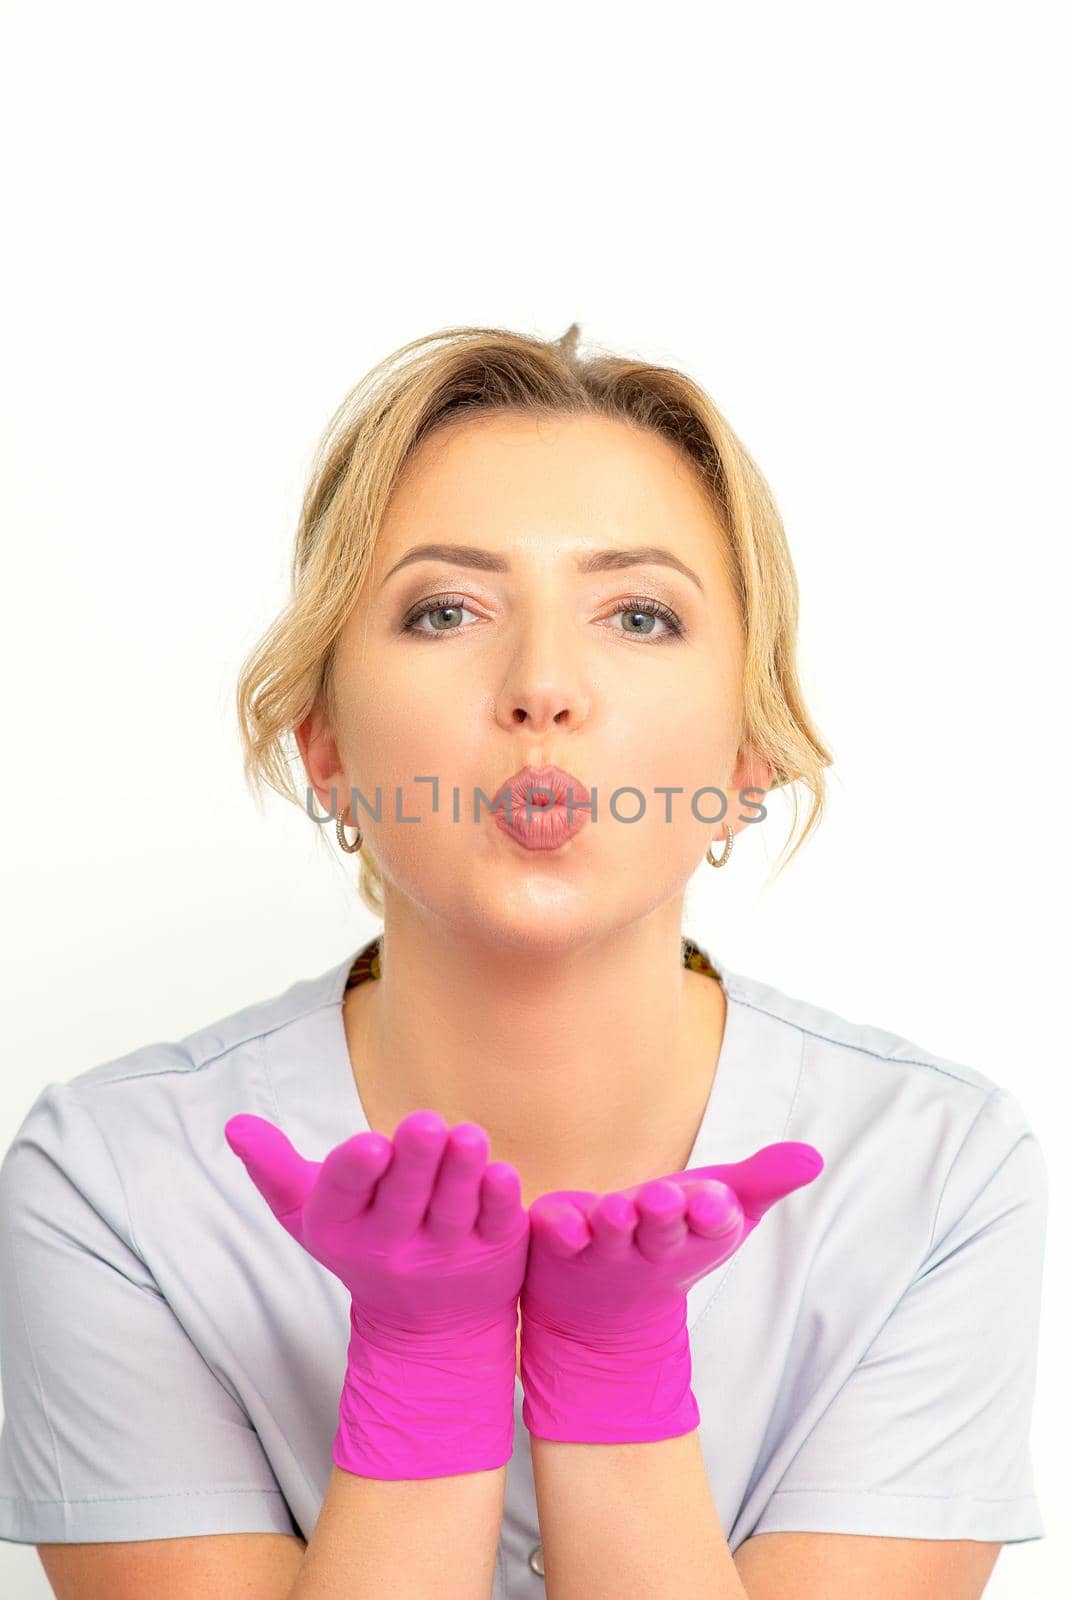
321, 758
748, 787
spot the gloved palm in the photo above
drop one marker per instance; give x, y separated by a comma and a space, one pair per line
431, 1244
605, 1350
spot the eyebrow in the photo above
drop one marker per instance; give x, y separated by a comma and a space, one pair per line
468, 555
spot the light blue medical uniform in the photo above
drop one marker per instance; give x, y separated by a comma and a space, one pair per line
171, 1360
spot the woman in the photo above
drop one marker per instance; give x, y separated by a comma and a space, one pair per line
183, 1377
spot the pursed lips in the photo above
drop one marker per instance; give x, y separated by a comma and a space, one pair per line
544, 782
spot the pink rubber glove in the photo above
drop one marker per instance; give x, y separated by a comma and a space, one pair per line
431, 1244
605, 1346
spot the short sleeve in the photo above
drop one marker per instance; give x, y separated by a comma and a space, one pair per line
928, 1438
115, 1427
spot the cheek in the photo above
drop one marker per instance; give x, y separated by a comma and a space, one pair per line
682, 738
389, 713
392, 736
688, 746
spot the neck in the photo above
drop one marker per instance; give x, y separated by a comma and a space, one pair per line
583, 1064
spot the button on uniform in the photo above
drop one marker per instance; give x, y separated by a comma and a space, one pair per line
536, 1559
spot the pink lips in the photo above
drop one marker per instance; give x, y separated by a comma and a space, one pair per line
548, 807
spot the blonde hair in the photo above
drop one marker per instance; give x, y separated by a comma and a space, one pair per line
460, 372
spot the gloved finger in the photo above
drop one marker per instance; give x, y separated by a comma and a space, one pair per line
558, 1226
714, 1210
661, 1223
501, 1202
404, 1191
612, 1220
283, 1177
350, 1174
773, 1172
456, 1195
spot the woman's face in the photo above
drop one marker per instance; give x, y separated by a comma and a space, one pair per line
456, 673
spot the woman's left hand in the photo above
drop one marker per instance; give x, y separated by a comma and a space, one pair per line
605, 1353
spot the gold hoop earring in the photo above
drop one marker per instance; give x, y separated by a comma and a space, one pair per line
351, 848
724, 857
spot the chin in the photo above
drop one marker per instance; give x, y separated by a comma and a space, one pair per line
530, 924
546, 923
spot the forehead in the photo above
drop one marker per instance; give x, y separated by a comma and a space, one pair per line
502, 479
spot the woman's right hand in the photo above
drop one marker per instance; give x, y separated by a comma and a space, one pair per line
431, 1243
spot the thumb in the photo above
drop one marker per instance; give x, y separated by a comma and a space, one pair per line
283, 1177
773, 1172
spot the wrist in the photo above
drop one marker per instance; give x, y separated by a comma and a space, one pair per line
609, 1386
426, 1405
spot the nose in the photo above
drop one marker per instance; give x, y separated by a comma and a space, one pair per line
540, 708
542, 691
542, 685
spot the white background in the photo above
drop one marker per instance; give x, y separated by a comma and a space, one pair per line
842, 220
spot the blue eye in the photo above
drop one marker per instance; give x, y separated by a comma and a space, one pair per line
640, 606
652, 609
429, 608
